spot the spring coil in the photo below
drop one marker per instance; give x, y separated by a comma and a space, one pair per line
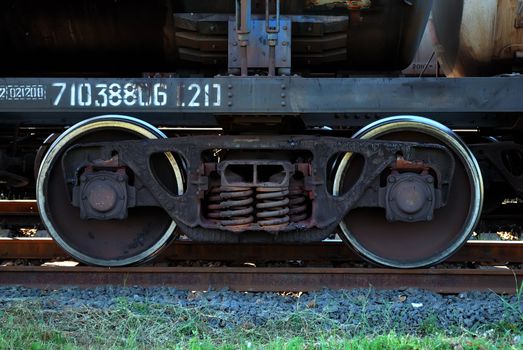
231, 206
298, 204
272, 206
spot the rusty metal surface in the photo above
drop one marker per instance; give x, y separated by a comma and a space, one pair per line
18, 207
477, 37
335, 252
30, 248
266, 279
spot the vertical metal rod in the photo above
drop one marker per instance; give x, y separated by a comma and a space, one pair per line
243, 28
244, 66
272, 60
272, 35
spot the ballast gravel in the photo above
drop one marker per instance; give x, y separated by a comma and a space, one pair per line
410, 310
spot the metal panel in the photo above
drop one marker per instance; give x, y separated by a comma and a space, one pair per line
261, 95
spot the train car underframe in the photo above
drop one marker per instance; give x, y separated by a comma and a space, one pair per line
405, 190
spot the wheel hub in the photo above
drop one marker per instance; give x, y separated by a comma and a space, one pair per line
410, 197
102, 195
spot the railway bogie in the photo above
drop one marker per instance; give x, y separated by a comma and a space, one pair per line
261, 123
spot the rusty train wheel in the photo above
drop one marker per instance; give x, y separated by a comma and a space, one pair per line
112, 242
419, 244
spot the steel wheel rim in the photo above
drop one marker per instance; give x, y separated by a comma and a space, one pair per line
458, 147
122, 123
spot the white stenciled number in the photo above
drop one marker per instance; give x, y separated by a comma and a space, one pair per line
218, 101
84, 95
115, 94
62, 87
160, 96
129, 94
144, 101
102, 99
193, 102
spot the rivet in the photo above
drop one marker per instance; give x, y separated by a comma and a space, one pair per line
283, 95
392, 179
229, 94
283, 103
229, 86
229, 103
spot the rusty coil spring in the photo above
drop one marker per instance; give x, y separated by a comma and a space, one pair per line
231, 206
298, 204
272, 206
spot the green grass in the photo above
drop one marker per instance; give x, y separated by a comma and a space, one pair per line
29, 325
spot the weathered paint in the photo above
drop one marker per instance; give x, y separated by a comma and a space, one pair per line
486, 37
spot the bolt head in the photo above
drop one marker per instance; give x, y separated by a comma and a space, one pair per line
392, 179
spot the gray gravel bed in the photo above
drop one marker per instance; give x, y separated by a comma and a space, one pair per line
410, 310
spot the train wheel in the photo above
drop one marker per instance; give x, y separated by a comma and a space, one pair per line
111, 242
412, 245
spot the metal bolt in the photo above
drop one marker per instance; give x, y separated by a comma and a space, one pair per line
283, 104
235, 59
284, 59
229, 103
229, 94
284, 43
235, 44
283, 95
285, 28
429, 217
283, 87
430, 179
229, 86
392, 179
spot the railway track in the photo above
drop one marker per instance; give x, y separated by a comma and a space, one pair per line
443, 279
326, 266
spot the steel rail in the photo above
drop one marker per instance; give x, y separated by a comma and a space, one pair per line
498, 280
474, 251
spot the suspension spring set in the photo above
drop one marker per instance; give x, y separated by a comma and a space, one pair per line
269, 207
